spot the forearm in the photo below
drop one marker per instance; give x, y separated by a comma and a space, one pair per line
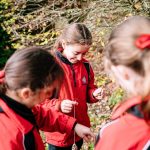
51, 120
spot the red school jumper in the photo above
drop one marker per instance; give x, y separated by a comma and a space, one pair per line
18, 133
78, 86
129, 130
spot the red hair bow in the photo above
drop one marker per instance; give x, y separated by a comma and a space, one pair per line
143, 41
2, 75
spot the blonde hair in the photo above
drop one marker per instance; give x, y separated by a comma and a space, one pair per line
74, 33
121, 48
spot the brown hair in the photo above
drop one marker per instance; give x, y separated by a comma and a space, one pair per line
31, 67
74, 33
122, 50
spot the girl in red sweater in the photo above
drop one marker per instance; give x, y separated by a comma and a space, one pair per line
29, 77
78, 87
128, 58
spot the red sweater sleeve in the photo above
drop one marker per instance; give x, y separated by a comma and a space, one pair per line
53, 103
51, 120
91, 87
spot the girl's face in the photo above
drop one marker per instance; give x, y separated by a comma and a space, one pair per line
74, 52
41, 95
29, 98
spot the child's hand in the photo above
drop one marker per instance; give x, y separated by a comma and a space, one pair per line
99, 93
84, 132
67, 105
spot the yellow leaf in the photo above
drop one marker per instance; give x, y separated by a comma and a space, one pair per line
138, 6
102, 43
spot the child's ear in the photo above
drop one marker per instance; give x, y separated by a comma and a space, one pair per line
125, 72
121, 70
25, 93
63, 44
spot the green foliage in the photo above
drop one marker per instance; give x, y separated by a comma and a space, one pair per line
116, 97
91, 146
4, 55
5, 47
5, 42
102, 80
46, 147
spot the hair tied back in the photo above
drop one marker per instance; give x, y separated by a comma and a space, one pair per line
143, 41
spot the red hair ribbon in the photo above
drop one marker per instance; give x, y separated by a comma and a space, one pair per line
2, 75
60, 49
143, 41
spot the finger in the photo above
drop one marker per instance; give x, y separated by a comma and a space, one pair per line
97, 92
102, 94
68, 108
100, 91
92, 135
87, 138
66, 111
94, 138
67, 105
75, 103
72, 102
99, 97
